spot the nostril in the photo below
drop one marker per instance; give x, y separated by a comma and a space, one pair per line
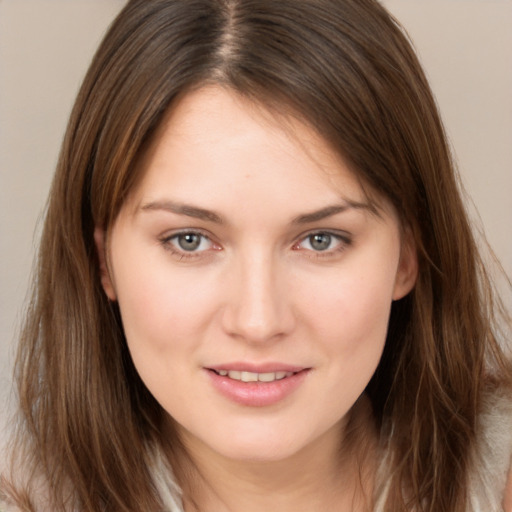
258, 309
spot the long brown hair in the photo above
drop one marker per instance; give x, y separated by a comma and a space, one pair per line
87, 423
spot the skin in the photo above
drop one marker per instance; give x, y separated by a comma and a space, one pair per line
258, 288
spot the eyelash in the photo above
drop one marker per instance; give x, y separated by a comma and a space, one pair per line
342, 240
167, 242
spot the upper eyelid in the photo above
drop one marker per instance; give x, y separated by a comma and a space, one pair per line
168, 235
344, 241
338, 233
343, 235
166, 240
167, 243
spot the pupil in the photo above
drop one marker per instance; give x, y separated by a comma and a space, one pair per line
189, 241
320, 241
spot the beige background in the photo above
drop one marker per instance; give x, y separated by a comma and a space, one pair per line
46, 45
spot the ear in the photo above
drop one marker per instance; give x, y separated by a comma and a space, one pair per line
101, 250
407, 271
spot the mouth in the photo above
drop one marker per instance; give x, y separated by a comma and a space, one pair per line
257, 385
244, 376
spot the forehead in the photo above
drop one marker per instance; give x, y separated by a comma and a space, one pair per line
214, 145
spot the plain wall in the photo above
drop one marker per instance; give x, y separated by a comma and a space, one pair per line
46, 46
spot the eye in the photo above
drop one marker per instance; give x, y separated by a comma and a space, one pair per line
320, 241
188, 242
323, 242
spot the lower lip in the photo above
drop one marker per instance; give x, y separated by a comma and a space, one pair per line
257, 394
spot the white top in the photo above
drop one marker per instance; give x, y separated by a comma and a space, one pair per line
491, 461
491, 458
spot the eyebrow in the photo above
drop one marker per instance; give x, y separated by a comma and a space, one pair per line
211, 216
184, 209
329, 211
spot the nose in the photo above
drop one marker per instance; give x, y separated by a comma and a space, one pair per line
259, 308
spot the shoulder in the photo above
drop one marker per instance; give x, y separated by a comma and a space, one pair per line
8, 506
5, 507
490, 476
507, 500
490, 472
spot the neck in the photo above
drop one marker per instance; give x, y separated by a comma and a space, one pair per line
333, 473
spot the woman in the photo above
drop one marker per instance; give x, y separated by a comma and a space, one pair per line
257, 284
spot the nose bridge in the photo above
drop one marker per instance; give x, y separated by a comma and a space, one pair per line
259, 308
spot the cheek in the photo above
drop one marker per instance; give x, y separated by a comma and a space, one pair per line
354, 304
163, 309
165, 317
351, 318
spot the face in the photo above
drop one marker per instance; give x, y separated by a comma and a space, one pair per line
253, 278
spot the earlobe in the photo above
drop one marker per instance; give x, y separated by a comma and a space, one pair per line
407, 272
101, 251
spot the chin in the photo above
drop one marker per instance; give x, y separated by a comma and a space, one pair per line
266, 443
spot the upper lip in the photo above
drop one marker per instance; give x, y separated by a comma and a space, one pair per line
257, 368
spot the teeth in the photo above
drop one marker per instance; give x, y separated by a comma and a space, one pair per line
254, 377
267, 377
249, 377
